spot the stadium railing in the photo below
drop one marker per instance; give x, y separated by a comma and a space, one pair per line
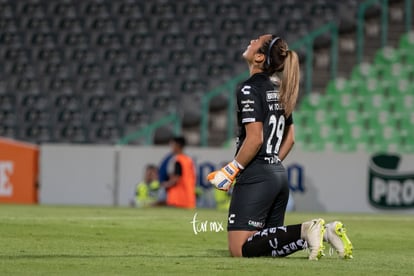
226, 88
148, 131
361, 23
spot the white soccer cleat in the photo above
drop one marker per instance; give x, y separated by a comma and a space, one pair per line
335, 235
313, 232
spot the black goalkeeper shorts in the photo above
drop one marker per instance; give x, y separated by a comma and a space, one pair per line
259, 198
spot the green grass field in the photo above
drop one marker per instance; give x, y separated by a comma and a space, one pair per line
39, 240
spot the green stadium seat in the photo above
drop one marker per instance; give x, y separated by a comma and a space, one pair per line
400, 88
338, 86
303, 118
407, 41
353, 117
321, 116
348, 101
360, 103
341, 141
336, 119
359, 135
399, 70
406, 56
315, 100
362, 71
328, 102
376, 103
311, 140
326, 133
407, 137
371, 123
387, 55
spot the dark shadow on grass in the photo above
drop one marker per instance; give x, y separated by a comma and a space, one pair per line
65, 256
210, 254
68, 256
219, 253
282, 258
225, 253
292, 257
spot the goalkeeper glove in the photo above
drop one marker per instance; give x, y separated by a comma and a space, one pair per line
224, 178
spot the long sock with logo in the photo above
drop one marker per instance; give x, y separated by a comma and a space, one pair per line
276, 242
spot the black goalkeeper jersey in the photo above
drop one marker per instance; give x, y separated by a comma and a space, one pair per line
258, 101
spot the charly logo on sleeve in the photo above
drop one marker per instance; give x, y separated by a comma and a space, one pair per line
388, 187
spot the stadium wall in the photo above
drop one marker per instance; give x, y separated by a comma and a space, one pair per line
323, 182
78, 175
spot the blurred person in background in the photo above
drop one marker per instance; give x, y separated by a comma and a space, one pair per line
146, 192
180, 185
223, 199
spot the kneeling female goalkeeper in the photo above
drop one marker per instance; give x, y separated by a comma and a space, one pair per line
265, 102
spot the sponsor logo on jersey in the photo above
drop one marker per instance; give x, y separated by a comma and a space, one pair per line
388, 187
256, 224
246, 89
272, 96
231, 218
247, 108
249, 120
247, 102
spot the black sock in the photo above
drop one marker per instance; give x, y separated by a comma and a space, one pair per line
275, 241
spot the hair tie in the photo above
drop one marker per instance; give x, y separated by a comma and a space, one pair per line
270, 49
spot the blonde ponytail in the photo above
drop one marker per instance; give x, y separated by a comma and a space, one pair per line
289, 88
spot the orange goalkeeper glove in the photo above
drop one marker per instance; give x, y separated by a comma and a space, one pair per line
224, 178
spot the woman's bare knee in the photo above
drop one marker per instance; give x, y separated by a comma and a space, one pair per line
236, 240
235, 251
